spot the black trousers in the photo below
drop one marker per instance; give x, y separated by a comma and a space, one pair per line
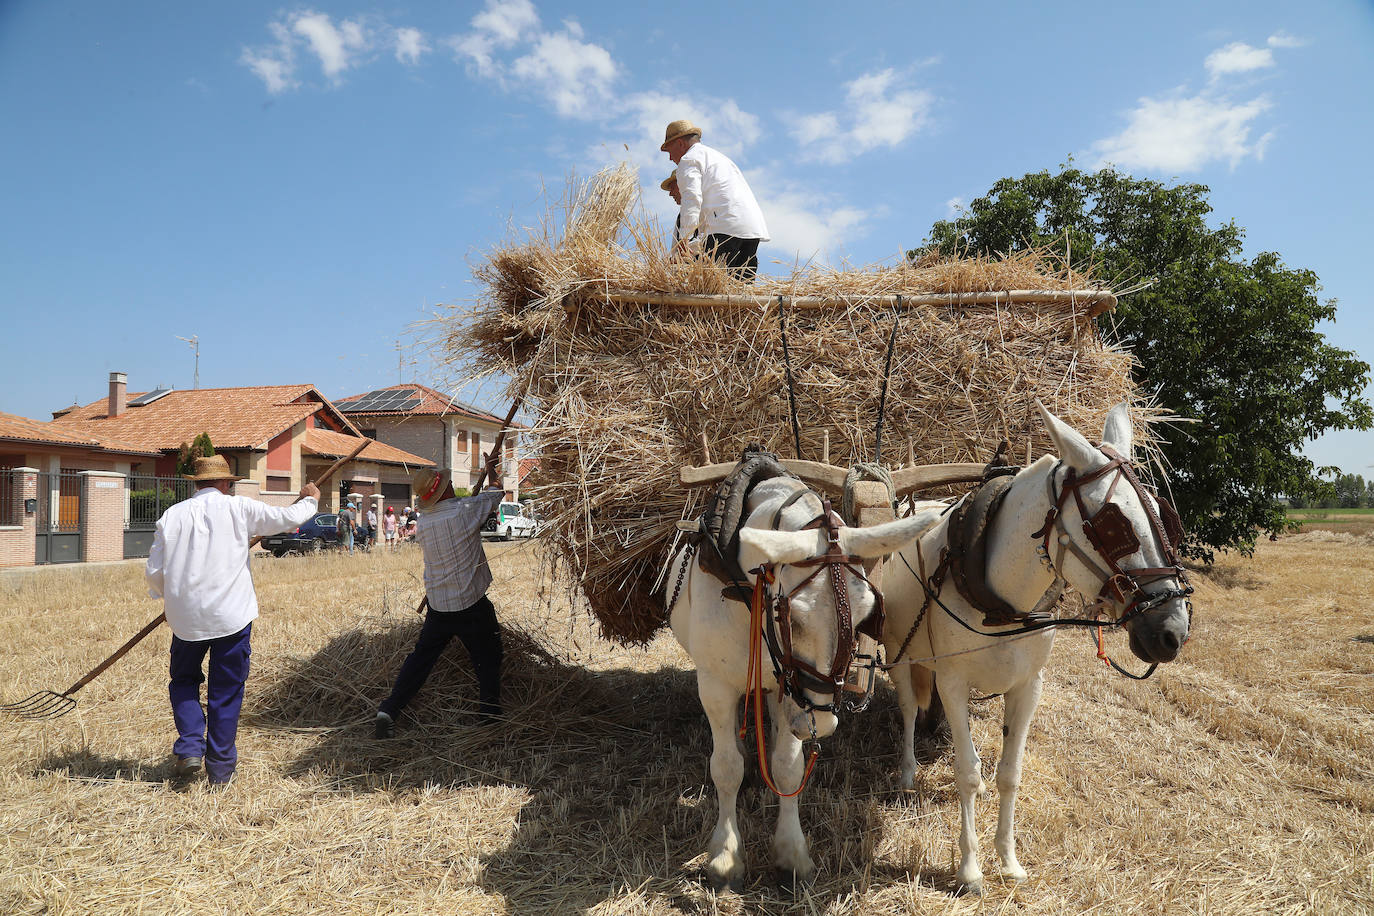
480, 634
740, 256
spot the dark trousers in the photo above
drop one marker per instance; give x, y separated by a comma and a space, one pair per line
223, 699
740, 256
480, 634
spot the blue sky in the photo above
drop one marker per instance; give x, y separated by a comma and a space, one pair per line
296, 186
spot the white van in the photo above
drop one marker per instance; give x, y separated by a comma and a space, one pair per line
509, 521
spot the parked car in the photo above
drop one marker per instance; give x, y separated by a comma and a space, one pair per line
320, 532
509, 521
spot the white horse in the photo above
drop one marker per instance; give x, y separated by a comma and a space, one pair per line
716, 633
1128, 564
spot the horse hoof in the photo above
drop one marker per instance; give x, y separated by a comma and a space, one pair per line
726, 884
790, 879
970, 888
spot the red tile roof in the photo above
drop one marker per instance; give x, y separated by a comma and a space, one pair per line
234, 417
432, 403
329, 444
38, 431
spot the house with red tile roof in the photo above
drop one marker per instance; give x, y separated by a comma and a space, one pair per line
44, 469
425, 421
274, 436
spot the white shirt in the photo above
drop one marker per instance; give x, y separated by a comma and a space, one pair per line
716, 199
199, 561
456, 570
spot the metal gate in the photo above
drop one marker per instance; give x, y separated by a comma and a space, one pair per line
146, 499
60, 507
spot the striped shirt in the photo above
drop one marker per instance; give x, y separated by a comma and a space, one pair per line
456, 570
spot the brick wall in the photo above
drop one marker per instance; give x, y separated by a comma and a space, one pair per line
17, 541
102, 520
423, 436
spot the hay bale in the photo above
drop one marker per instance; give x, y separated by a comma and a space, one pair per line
623, 391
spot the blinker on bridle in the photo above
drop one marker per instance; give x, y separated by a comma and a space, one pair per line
1113, 538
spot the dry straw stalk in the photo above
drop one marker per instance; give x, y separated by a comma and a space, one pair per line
630, 377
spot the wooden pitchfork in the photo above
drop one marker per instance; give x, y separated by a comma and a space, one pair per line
46, 704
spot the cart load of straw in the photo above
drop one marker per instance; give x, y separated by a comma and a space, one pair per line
633, 364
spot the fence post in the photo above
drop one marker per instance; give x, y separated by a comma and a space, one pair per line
18, 546
102, 516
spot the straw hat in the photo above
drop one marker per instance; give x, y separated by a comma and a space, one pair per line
678, 129
430, 486
668, 182
212, 468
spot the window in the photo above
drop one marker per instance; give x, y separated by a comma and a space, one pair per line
278, 484
370, 433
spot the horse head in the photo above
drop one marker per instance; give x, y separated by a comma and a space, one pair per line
818, 598
1115, 539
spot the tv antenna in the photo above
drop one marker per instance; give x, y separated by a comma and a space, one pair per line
194, 341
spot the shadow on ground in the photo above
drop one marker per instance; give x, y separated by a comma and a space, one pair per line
616, 763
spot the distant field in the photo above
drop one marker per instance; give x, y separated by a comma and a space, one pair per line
1352, 521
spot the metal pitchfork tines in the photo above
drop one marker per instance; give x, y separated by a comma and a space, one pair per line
45, 704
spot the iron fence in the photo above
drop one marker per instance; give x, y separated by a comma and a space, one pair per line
9, 485
149, 497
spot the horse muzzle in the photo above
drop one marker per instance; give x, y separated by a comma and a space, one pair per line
1158, 635
807, 724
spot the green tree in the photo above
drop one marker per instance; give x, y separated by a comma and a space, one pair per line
1350, 492
1230, 343
200, 447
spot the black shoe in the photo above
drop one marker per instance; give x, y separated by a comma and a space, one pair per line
186, 767
385, 726
220, 780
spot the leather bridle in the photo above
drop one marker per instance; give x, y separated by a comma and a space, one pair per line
1113, 538
794, 674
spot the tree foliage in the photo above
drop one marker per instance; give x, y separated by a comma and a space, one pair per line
1230, 343
200, 447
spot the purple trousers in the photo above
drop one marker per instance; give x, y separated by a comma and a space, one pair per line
209, 733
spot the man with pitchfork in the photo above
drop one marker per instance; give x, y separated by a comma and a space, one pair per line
198, 566
456, 580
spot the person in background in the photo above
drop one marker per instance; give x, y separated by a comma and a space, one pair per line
456, 580
345, 526
372, 521
198, 566
389, 527
716, 201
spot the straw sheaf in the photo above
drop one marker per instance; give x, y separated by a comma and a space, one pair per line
623, 392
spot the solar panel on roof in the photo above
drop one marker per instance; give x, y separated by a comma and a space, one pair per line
149, 397
384, 399
410, 404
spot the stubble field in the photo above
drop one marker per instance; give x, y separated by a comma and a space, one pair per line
1238, 780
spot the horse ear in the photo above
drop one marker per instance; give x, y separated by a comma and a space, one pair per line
758, 546
1117, 431
1070, 444
881, 540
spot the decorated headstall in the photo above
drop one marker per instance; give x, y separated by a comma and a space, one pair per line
795, 675
1113, 538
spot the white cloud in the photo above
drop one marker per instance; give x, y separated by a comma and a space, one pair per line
410, 45
505, 21
878, 113
1238, 57
956, 207
805, 228
573, 75
276, 64
337, 46
1183, 134
1282, 39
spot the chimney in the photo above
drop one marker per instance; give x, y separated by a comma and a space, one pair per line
119, 393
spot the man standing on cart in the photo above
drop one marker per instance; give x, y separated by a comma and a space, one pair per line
716, 202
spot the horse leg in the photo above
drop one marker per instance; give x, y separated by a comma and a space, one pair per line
721, 702
909, 699
968, 779
790, 853
1021, 703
